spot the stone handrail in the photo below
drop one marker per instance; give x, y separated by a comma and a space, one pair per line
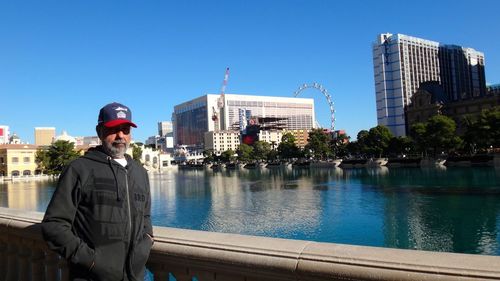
218, 256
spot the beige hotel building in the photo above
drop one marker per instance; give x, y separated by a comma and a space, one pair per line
44, 135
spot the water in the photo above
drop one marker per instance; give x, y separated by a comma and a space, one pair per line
452, 210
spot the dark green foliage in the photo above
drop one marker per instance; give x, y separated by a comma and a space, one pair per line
287, 149
136, 153
318, 144
338, 146
53, 160
245, 152
483, 131
227, 156
261, 150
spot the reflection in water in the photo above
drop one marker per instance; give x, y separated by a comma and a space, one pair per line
450, 210
454, 209
27, 195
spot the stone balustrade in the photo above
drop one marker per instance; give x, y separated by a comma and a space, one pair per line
218, 256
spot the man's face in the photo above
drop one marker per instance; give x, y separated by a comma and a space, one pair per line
116, 140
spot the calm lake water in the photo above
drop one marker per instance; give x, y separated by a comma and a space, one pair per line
447, 209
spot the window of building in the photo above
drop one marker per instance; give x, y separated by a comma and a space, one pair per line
15, 160
15, 173
26, 173
26, 160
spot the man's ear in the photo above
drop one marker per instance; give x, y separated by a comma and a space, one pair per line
98, 130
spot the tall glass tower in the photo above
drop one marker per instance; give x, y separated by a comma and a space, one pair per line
401, 63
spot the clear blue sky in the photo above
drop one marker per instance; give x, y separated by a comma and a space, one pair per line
60, 61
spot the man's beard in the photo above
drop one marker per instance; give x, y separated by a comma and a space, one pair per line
116, 151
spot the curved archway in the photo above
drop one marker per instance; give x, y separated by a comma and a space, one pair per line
324, 91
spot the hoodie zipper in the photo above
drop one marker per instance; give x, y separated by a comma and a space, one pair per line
128, 207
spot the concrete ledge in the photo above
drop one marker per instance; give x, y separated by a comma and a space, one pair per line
241, 257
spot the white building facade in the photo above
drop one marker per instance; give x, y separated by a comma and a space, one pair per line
220, 141
272, 137
194, 118
401, 63
4, 134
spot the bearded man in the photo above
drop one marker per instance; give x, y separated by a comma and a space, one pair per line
99, 215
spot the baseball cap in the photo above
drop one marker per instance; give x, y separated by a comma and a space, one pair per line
114, 114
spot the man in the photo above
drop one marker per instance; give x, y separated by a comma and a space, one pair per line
99, 216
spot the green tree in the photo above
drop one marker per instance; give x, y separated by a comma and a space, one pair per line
483, 131
42, 160
418, 133
56, 157
287, 149
261, 150
136, 152
401, 146
359, 148
318, 144
440, 134
245, 152
227, 156
379, 138
338, 146
209, 155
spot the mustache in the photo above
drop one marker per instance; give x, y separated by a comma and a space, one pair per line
119, 142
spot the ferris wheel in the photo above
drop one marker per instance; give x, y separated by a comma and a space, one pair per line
324, 91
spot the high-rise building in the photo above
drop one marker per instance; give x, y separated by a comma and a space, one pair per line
4, 134
194, 118
401, 63
164, 127
44, 135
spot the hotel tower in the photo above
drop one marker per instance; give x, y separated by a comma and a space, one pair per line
401, 63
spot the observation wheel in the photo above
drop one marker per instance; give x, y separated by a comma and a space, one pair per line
324, 91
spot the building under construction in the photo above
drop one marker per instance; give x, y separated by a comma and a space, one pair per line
192, 119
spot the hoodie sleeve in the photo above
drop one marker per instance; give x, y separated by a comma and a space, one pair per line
148, 227
58, 220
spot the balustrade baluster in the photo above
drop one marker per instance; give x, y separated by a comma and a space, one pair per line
52, 271
63, 266
12, 256
180, 273
159, 274
3, 257
37, 262
24, 260
229, 277
203, 275
182, 276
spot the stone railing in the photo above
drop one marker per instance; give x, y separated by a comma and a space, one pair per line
216, 256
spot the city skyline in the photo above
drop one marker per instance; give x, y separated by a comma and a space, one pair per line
61, 62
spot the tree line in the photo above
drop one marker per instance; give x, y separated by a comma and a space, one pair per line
437, 136
433, 138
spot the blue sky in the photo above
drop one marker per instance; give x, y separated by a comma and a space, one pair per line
61, 61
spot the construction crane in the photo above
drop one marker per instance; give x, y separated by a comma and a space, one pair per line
220, 102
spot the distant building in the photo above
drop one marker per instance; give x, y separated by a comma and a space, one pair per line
4, 134
18, 160
493, 89
402, 63
301, 137
14, 139
44, 135
220, 141
273, 137
192, 119
65, 137
430, 100
164, 128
